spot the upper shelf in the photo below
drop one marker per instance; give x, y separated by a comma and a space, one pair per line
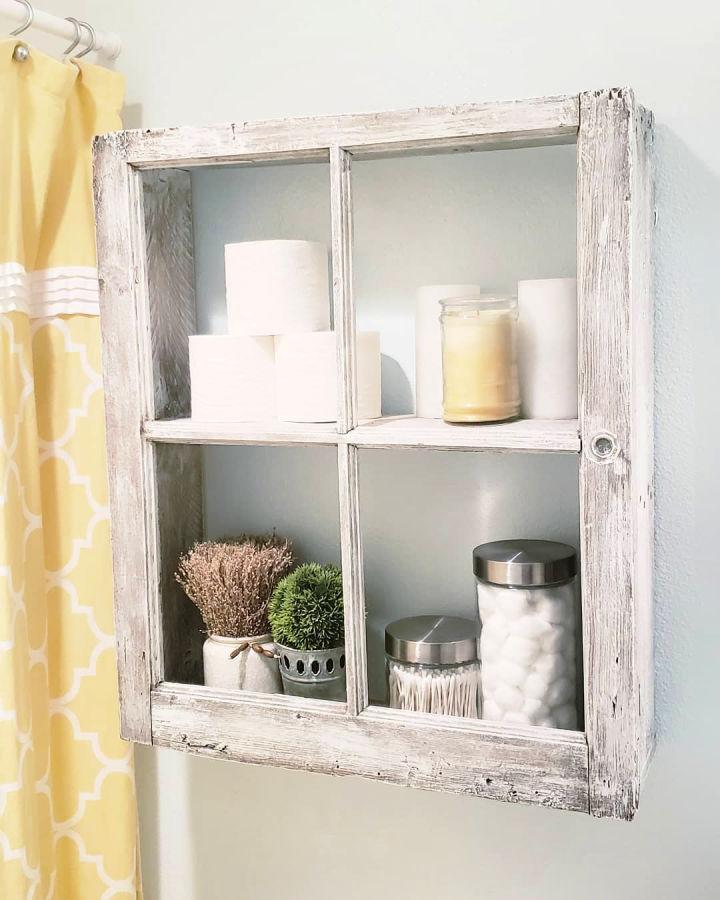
524, 435
528, 435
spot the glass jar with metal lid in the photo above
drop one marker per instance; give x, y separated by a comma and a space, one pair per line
432, 665
528, 609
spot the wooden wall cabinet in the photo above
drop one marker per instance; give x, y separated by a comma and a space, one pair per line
145, 251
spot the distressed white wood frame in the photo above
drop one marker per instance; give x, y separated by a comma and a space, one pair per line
144, 227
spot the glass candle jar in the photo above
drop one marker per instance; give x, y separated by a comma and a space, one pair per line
432, 665
528, 611
480, 374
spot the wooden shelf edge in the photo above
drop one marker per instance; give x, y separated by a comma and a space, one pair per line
524, 435
190, 431
400, 432
510, 764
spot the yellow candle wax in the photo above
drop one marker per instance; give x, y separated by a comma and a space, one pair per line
480, 378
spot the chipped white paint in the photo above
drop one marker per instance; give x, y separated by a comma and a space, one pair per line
616, 492
435, 129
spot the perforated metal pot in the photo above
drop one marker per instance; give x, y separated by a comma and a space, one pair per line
313, 673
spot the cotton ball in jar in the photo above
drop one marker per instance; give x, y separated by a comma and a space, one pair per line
489, 676
514, 603
530, 626
556, 609
535, 709
520, 650
489, 649
491, 711
516, 718
487, 599
555, 639
509, 672
551, 665
536, 686
508, 697
560, 691
494, 628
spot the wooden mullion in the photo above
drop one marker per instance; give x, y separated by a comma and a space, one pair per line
342, 272
353, 579
614, 201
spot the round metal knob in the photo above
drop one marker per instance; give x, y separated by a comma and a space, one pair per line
604, 447
21, 53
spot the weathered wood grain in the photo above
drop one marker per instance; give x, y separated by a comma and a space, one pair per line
120, 238
147, 309
190, 431
615, 323
532, 765
434, 129
406, 432
353, 579
526, 435
174, 488
343, 305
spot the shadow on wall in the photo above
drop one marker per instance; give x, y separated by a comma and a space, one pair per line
397, 393
687, 427
132, 115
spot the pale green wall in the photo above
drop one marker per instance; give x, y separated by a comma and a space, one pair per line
218, 830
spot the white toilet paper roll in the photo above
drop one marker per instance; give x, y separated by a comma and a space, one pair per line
232, 378
277, 287
428, 345
547, 344
306, 376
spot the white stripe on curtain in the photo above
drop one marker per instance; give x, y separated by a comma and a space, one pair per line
49, 292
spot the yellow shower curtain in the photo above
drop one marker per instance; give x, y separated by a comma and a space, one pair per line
67, 807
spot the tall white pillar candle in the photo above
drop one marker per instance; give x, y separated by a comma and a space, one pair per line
306, 376
428, 345
547, 343
277, 287
232, 378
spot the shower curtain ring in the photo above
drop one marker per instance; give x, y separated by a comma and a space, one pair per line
78, 35
30, 16
91, 45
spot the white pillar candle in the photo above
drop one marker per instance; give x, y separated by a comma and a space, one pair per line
428, 345
232, 378
306, 376
547, 343
277, 287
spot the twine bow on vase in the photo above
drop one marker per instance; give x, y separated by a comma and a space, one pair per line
257, 647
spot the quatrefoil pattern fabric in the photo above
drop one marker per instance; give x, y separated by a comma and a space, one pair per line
68, 826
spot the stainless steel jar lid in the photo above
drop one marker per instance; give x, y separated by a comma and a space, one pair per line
524, 563
432, 640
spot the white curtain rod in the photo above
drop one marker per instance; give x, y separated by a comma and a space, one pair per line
107, 44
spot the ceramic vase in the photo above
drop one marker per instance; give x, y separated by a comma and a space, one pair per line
228, 666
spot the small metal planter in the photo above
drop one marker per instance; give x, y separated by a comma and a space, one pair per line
313, 673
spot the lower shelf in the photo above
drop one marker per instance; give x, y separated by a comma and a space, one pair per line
541, 766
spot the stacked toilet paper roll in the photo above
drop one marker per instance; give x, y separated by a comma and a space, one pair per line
547, 345
232, 378
306, 376
277, 287
428, 345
